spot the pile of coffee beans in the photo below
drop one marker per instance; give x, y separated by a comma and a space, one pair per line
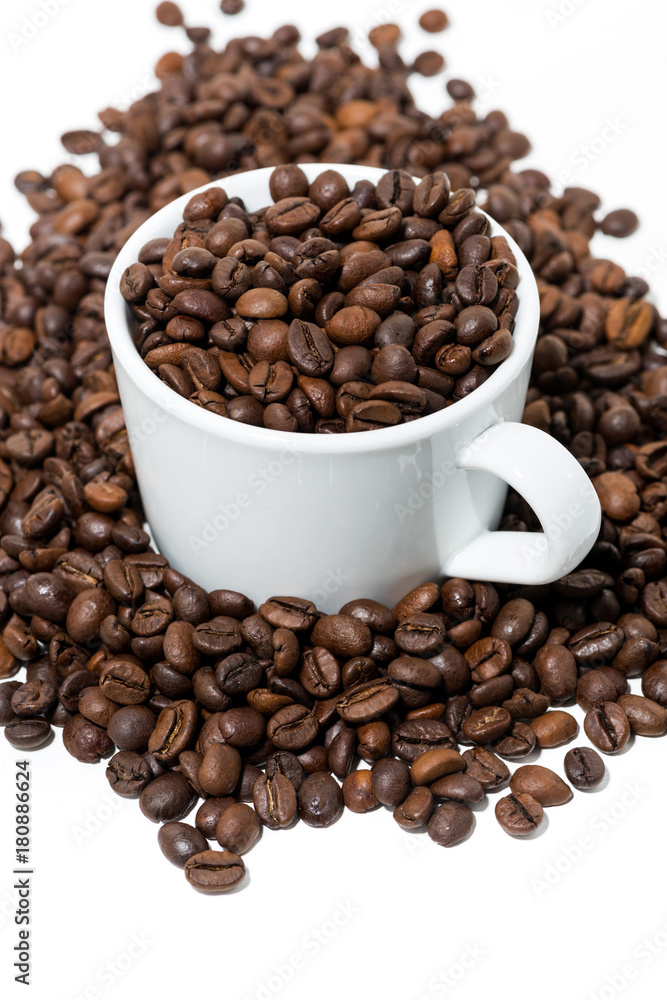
259, 717
330, 310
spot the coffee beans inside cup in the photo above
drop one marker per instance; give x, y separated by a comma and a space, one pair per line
330, 310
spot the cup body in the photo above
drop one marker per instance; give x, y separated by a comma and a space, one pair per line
329, 517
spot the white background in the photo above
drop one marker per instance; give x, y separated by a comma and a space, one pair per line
362, 909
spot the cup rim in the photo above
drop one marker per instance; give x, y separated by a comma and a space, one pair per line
165, 220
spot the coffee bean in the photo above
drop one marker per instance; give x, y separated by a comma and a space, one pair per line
451, 823
390, 781
174, 731
320, 799
554, 728
220, 770
519, 814
292, 728
434, 764
646, 717
584, 768
358, 794
242, 727
130, 727
128, 774
215, 871
82, 739
367, 701
458, 787
607, 727
28, 734
169, 797
179, 841
485, 725
485, 767
518, 742
209, 812
557, 670
542, 783
238, 828
275, 801
412, 738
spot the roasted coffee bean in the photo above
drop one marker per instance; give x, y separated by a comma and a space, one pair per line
238, 828
557, 670
34, 698
554, 728
607, 727
485, 767
486, 724
28, 734
460, 787
584, 768
128, 774
412, 738
368, 701
292, 728
124, 682
526, 704
320, 799
451, 823
209, 812
286, 763
434, 764
519, 814
646, 717
215, 871
174, 731
341, 752
82, 739
220, 770
542, 783
358, 794
390, 781
374, 741
7, 690
518, 742
179, 841
167, 798
130, 727
415, 811
275, 801
242, 727
654, 682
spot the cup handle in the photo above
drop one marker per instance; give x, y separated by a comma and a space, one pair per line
558, 490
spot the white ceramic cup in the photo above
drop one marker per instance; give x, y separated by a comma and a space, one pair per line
335, 517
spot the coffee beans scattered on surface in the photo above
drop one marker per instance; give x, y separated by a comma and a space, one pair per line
331, 310
198, 692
